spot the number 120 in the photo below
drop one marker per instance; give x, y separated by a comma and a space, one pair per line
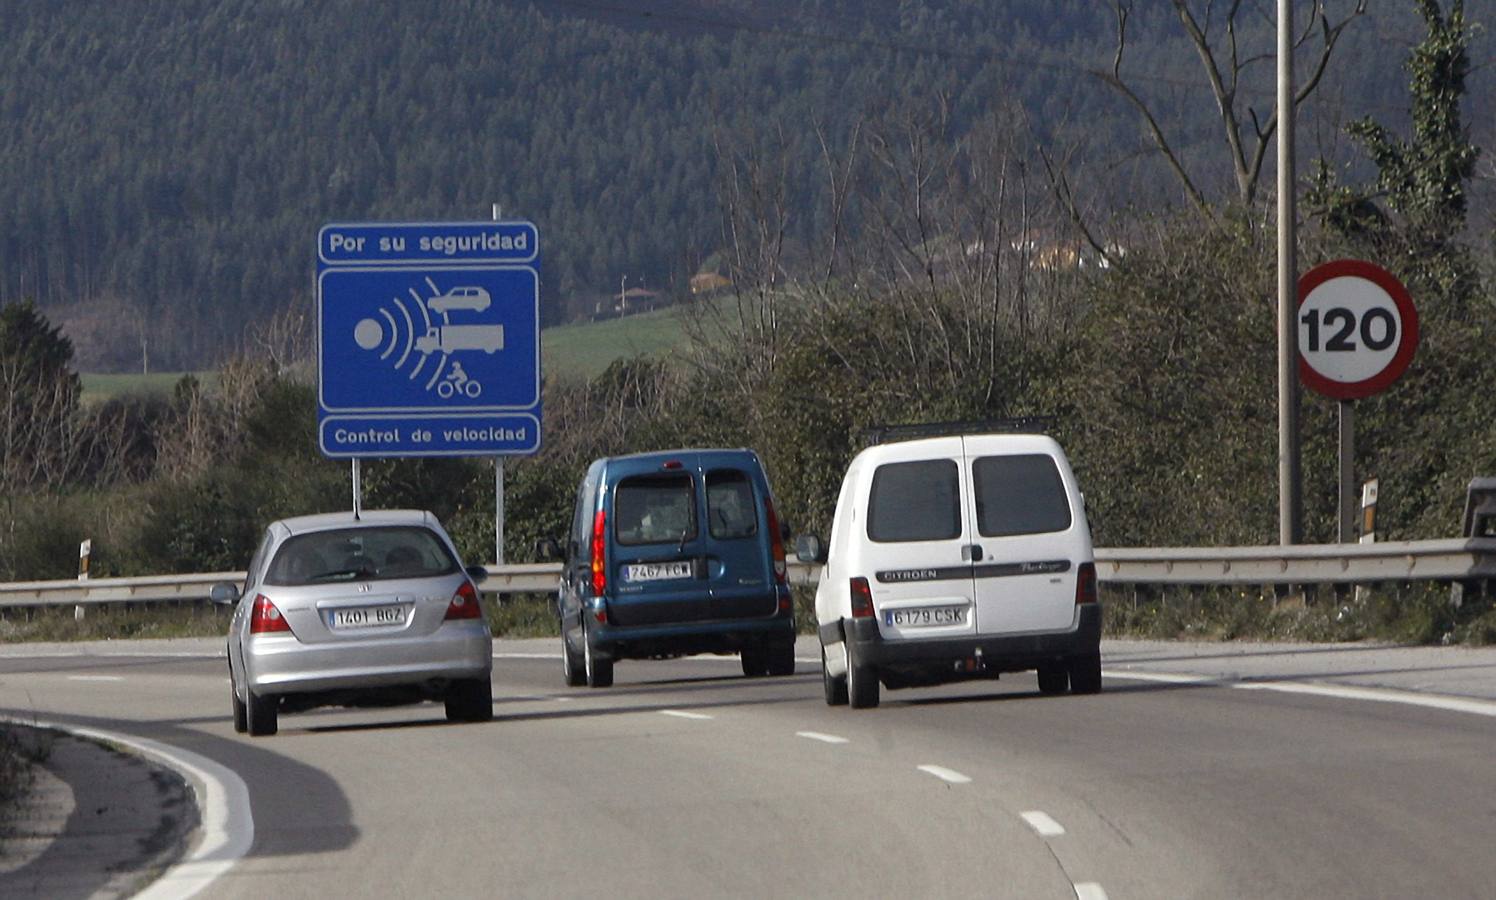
1344, 321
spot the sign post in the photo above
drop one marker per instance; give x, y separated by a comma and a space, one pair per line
1357, 333
428, 338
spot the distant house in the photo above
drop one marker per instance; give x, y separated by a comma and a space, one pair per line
627, 303
707, 282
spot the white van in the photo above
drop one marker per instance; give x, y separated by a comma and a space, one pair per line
954, 557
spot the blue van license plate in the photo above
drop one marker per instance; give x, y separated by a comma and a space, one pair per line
657, 571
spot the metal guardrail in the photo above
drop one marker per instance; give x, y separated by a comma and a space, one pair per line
1451, 560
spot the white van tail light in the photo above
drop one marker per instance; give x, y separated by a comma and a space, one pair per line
1085, 584
599, 547
265, 618
776, 543
862, 599
464, 604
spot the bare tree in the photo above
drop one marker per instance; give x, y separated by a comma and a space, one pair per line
1226, 60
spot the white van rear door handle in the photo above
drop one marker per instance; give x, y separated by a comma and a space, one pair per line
972, 552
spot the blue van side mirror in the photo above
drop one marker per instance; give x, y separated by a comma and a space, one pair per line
809, 549
548, 550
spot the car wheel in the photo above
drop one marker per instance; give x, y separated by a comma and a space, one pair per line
755, 659
572, 669
835, 685
1085, 674
862, 682
599, 670
1053, 679
470, 700
781, 659
261, 714
241, 715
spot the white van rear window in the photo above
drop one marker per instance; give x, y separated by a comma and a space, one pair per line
1019, 495
915, 501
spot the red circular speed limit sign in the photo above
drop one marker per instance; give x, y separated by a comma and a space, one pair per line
1357, 329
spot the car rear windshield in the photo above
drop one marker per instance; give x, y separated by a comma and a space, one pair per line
1019, 495
361, 554
655, 509
730, 510
915, 501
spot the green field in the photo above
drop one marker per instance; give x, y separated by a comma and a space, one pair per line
99, 388
581, 351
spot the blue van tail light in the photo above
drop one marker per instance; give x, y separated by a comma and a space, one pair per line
599, 550
265, 618
464, 604
1085, 584
776, 543
862, 599
671, 464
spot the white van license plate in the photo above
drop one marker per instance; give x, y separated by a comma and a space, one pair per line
369, 616
657, 571
925, 616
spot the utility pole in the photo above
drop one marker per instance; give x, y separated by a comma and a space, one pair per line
1290, 502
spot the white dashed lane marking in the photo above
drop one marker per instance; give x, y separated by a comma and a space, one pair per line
1089, 890
95, 678
823, 738
1042, 823
682, 714
944, 774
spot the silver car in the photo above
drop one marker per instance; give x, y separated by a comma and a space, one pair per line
344, 611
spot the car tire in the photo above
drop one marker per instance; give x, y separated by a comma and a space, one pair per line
573, 669
862, 682
755, 659
1054, 679
1085, 674
599, 670
781, 658
834, 685
262, 714
241, 715
470, 700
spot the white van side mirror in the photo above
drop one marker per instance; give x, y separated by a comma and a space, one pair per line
809, 549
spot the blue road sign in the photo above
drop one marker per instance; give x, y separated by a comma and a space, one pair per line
428, 339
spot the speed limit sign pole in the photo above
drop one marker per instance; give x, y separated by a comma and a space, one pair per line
1357, 333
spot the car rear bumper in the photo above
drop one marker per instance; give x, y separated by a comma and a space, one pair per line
722, 636
996, 653
282, 664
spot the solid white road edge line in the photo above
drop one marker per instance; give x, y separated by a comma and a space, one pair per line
1338, 692
228, 826
682, 714
823, 738
944, 774
1089, 890
1042, 823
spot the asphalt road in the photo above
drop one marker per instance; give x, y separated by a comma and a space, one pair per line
686, 779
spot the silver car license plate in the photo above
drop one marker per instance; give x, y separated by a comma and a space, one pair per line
369, 616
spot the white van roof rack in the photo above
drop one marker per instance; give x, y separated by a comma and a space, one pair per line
879, 434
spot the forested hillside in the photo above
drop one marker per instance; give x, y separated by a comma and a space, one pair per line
168, 162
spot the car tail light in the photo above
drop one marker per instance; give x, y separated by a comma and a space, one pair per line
599, 546
1085, 584
464, 604
862, 599
265, 618
776, 543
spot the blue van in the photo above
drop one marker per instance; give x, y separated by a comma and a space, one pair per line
673, 553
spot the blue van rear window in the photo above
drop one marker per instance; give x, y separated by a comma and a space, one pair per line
730, 510
655, 509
